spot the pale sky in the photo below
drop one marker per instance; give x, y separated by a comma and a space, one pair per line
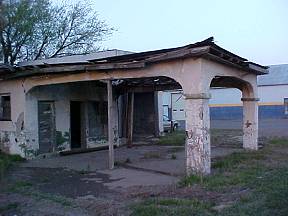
255, 29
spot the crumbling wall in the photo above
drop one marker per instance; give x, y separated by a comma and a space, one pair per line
62, 94
13, 136
97, 123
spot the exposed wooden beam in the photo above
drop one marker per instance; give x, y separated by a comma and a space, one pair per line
111, 66
139, 89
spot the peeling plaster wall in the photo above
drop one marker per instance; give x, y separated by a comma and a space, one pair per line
12, 133
61, 94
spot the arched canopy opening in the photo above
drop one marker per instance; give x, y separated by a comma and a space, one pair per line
242, 116
232, 82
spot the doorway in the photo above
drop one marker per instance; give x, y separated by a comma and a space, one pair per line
75, 124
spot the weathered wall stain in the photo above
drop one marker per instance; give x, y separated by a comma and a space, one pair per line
62, 140
19, 124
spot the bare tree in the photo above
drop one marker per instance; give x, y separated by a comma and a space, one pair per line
37, 29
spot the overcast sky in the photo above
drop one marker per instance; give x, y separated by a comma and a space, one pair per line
254, 29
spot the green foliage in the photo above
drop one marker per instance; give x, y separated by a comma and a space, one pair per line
61, 139
37, 29
173, 157
269, 196
26, 188
164, 206
151, 154
279, 142
237, 158
83, 172
177, 138
128, 160
8, 207
50, 197
8, 160
28, 151
231, 170
187, 181
19, 185
263, 174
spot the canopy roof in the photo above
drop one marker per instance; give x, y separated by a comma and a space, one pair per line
126, 60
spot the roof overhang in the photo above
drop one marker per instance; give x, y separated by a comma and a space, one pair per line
205, 49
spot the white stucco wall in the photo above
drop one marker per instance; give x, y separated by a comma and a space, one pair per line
273, 94
11, 135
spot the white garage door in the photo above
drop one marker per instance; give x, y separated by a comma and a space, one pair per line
177, 105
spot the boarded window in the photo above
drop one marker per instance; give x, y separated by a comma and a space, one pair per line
5, 108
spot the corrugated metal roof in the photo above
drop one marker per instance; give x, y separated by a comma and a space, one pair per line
76, 58
278, 75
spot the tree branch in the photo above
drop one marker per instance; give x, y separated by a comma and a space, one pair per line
41, 47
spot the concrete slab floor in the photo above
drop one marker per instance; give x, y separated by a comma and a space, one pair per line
147, 165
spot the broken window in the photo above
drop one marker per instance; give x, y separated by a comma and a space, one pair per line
5, 108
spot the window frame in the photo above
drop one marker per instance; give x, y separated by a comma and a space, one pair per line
6, 118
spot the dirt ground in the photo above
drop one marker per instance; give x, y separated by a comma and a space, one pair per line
80, 184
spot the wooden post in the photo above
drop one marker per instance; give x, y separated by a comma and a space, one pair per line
84, 124
110, 124
130, 113
156, 115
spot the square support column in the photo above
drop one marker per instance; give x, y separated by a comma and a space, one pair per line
250, 123
197, 147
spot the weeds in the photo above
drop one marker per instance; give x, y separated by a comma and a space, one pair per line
26, 188
166, 206
177, 138
173, 157
8, 207
19, 185
83, 172
151, 154
236, 158
7, 161
263, 174
280, 142
128, 160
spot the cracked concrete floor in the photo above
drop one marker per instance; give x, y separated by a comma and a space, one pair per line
82, 185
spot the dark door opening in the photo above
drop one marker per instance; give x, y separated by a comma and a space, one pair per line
75, 124
144, 114
46, 125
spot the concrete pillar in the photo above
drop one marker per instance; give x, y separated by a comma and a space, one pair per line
250, 123
197, 146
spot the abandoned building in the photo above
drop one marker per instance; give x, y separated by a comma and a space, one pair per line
77, 103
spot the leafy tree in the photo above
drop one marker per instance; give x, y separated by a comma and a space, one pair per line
37, 29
